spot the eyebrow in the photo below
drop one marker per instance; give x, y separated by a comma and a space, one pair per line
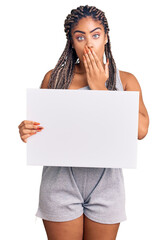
90, 31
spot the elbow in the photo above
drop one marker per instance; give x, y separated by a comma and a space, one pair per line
143, 129
142, 133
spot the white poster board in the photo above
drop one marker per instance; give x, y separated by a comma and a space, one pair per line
83, 128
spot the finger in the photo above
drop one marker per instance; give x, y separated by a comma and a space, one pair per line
92, 59
27, 121
24, 130
24, 122
99, 65
89, 65
85, 64
31, 126
27, 131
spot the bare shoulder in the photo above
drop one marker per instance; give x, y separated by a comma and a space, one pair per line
131, 83
125, 78
46, 79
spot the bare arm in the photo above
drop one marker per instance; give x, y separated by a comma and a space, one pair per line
46, 79
132, 84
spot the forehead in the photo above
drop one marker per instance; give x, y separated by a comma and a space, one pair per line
87, 24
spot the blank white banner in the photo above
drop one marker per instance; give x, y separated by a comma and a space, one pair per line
90, 128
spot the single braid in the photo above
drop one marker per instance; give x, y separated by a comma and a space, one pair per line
62, 74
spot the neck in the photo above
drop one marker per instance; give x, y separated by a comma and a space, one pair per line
80, 68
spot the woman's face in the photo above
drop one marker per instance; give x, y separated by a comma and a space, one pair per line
91, 33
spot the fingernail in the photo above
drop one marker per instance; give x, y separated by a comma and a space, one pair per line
39, 127
36, 123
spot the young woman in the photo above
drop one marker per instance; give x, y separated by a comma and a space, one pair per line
68, 192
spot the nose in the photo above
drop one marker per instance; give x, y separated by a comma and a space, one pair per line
89, 43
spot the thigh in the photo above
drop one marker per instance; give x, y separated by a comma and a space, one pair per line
64, 230
106, 203
98, 231
59, 197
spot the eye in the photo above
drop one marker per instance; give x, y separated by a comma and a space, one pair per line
97, 34
78, 38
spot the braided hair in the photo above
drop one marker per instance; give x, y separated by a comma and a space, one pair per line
62, 74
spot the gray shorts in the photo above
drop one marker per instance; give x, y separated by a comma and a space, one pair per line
68, 192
